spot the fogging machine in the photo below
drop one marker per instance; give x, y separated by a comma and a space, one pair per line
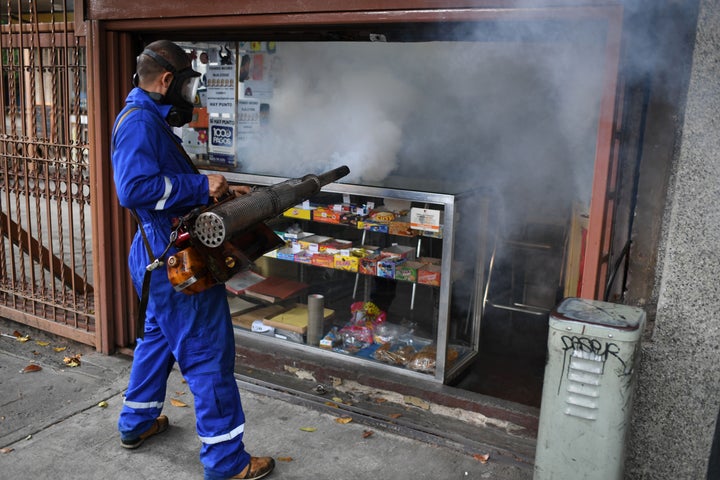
216, 242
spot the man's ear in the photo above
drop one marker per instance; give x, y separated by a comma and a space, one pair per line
166, 79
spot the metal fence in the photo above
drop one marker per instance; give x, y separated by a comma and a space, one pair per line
45, 230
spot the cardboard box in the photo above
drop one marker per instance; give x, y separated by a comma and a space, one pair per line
401, 227
387, 265
347, 262
323, 260
335, 246
303, 257
399, 251
368, 265
429, 275
349, 218
430, 260
299, 212
296, 235
285, 253
382, 216
373, 226
313, 242
407, 271
326, 215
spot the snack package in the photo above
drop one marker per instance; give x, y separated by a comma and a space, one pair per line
358, 333
394, 354
424, 360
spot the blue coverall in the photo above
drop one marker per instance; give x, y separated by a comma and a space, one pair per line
153, 177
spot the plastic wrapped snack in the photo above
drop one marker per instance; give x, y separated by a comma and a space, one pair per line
394, 354
424, 360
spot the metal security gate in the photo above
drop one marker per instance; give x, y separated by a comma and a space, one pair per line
45, 223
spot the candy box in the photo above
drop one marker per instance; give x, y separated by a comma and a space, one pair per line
299, 212
387, 265
430, 260
368, 265
347, 262
373, 226
323, 260
286, 254
407, 271
401, 226
313, 243
335, 246
303, 256
326, 215
429, 275
399, 251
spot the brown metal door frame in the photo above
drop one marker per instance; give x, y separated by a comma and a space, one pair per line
112, 59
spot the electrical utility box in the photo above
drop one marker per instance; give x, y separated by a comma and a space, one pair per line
593, 350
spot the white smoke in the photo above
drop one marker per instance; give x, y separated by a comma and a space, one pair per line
518, 116
330, 109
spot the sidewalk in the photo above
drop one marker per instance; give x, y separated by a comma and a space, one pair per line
52, 427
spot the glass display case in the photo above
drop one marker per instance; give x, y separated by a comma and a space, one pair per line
386, 277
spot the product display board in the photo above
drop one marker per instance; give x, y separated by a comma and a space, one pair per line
384, 277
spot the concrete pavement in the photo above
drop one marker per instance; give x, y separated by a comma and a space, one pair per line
52, 427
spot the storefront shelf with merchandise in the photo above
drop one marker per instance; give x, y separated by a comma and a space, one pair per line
409, 299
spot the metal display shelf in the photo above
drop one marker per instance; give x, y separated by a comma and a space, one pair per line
455, 317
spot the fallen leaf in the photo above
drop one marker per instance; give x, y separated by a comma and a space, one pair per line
31, 368
73, 361
481, 458
395, 415
23, 339
308, 429
42, 344
380, 400
337, 400
177, 403
367, 433
285, 459
6, 450
331, 404
59, 349
344, 420
418, 402
103, 404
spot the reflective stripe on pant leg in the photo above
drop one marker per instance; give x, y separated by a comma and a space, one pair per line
145, 394
206, 355
221, 427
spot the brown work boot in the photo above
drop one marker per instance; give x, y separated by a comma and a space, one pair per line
159, 425
257, 468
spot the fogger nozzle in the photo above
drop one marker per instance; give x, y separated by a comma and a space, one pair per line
221, 222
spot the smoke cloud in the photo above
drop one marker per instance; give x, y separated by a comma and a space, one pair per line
520, 117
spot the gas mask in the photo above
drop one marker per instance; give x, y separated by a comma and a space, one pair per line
180, 94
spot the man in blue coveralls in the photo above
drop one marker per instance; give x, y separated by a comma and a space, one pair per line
155, 178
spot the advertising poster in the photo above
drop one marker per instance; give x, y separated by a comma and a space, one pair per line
221, 89
221, 144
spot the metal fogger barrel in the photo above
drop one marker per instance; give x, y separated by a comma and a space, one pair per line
217, 225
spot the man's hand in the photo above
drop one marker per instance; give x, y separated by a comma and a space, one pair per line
217, 185
240, 189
